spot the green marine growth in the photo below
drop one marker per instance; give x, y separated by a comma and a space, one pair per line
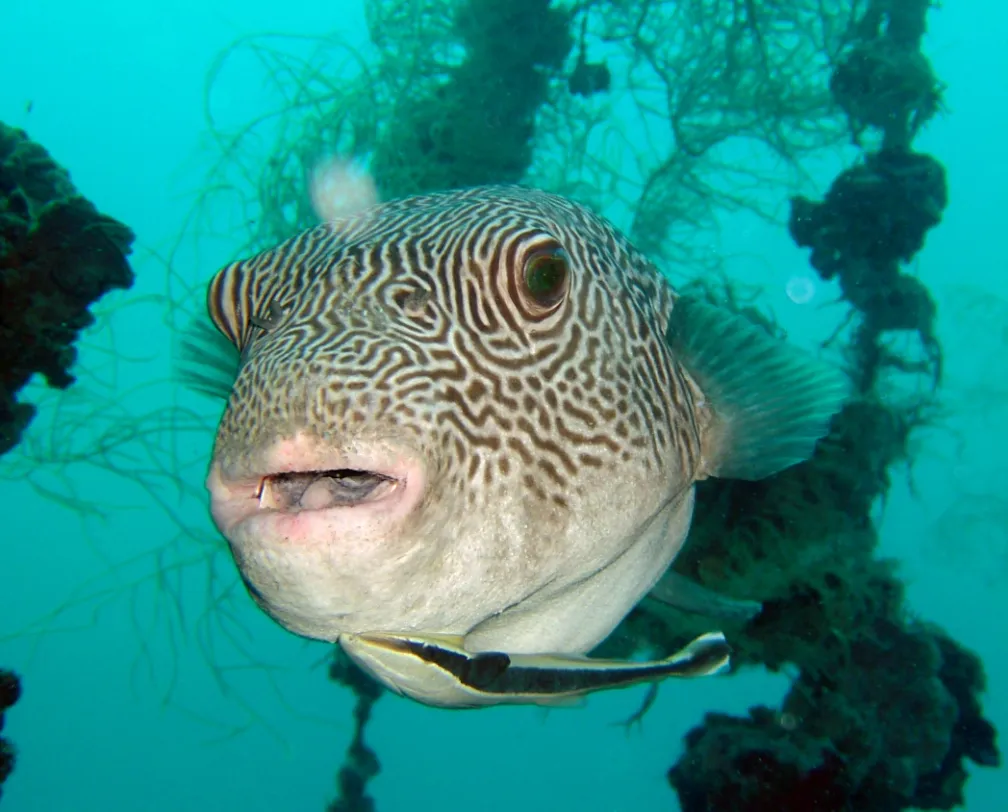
58, 256
476, 125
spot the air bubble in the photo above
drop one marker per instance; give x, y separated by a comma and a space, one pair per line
340, 189
800, 289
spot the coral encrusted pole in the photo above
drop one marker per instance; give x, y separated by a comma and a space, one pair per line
885, 710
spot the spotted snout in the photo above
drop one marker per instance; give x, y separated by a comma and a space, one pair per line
316, 532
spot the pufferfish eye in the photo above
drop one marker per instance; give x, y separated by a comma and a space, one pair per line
546, 273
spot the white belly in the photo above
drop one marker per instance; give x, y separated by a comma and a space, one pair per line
581, 616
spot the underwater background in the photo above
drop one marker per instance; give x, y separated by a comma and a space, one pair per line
151, 682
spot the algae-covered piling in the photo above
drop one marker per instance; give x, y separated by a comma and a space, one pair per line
805, 542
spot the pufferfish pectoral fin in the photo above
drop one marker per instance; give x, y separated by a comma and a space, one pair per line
686, 595
204, 360
437, 670
770, 402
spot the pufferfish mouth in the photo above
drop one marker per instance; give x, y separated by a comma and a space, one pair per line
298, 483
318, 490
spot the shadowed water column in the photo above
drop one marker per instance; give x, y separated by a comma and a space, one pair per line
58, 256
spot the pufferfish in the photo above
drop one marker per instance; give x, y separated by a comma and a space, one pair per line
462, 437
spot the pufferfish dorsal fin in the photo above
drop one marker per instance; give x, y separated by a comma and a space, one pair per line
770, 401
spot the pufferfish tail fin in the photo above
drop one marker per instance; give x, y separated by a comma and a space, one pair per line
770, 401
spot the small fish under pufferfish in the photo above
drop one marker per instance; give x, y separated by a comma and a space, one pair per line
462, 435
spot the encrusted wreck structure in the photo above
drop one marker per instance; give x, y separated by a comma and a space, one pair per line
788, 79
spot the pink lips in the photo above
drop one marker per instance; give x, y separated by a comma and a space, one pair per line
237, 497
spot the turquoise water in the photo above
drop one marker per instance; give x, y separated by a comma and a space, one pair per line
122, 709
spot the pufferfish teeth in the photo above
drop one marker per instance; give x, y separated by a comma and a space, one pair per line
318, 490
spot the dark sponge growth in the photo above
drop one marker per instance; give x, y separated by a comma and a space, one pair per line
878, 211
875, 216
10, 692
58, 255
